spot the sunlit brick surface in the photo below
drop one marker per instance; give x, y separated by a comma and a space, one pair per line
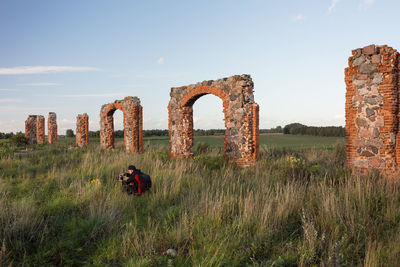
241, 142
133, 124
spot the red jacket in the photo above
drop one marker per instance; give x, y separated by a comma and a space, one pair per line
134, 181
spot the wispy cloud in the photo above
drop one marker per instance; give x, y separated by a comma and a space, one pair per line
43, 70
93, 95
39, 84
298, 17
22, 111
160, 60
162, 75
8, 90
333, 5
366, 3
10, 100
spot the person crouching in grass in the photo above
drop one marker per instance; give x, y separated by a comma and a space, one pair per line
135, 182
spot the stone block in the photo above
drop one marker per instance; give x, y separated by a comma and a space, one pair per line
369, 50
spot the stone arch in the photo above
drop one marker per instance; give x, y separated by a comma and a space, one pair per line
133, 124
241, 141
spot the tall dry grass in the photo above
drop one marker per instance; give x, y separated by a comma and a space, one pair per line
294, 208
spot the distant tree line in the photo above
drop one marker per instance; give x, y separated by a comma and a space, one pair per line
300, 129
293, 128
6, 135
278, 129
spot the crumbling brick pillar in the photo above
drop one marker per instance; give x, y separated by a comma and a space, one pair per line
82, 130
34, 130
133, 124
372, 110
241, 142
41, 138
52, 135
30, 130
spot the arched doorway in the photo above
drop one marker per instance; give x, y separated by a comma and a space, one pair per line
132, 121
241, 143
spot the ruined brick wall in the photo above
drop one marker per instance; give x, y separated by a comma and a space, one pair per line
82, 130
241, 142
133, 124
30, 130
52, 135
34, 129
372, 110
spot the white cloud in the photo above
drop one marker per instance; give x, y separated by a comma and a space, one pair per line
369, 2
39, 84
64, 124
333, 5
366, 3
24, 109
43, 69
299, 17
12, 126
7, 90
339, 116
160, 60
10, 100
94, 95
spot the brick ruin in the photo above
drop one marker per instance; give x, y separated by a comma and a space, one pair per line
82, 130
34, 129
52, 128
372, 110
133, 124
241, 141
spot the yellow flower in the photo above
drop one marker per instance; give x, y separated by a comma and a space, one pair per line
97, 181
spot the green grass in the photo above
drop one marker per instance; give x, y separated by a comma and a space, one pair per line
299, 141
276, 141
293, 208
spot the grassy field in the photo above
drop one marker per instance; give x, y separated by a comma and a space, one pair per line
296, 207
276, 141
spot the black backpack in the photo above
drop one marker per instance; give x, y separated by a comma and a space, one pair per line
145, 181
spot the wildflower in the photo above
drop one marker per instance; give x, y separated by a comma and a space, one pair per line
95, 181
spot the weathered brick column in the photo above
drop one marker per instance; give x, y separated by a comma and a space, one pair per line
372, 110
133, 124
41, 138
82, 130
52, 135
30, 130
34, 129
241, 142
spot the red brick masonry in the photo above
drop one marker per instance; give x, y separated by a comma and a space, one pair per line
52, 128
133, 124
372, 110
82, 130
34, 130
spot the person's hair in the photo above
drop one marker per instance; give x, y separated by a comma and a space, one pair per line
132, 167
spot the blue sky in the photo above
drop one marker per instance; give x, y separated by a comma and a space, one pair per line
71, 57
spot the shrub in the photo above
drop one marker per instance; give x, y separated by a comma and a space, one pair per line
69, 133
201, 148
19, 139
340, 153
